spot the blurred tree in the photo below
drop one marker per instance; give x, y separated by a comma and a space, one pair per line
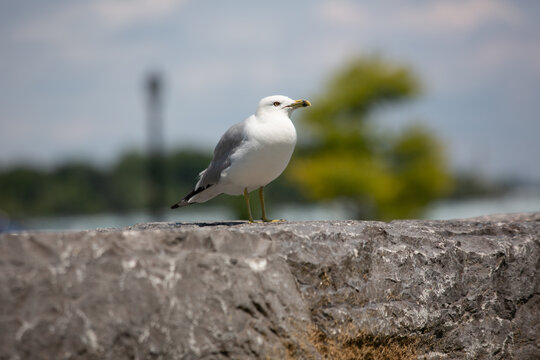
386, 176
128, 183
184, 167
78, 188
22, 191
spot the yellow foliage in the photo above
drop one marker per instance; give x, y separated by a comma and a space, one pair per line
387, 176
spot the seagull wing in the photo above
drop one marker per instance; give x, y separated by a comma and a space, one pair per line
227, 145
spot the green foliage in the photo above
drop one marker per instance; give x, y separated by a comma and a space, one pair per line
362, 86
77, 188
386, 175
127, 181
183, 168
470, 185
21, 188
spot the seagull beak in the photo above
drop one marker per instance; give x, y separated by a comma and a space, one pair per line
299, 103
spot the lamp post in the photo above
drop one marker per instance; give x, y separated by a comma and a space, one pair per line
155, 159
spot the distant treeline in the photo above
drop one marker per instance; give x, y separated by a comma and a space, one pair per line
78, 187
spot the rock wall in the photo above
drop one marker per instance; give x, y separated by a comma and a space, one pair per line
309, 290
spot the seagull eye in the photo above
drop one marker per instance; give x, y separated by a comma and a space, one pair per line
277, 103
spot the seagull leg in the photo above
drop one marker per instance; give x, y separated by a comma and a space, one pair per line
261, 197
246, 197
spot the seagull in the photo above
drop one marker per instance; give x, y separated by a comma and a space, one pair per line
250, 154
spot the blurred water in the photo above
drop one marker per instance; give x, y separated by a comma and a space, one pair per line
205, 212
87, 222
521, 202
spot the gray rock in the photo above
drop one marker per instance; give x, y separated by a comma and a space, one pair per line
429, 289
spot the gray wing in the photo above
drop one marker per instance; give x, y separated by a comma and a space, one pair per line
227, 145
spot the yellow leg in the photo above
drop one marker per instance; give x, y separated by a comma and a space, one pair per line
261, 197
246, 197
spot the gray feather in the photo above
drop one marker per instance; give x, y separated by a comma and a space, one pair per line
227, 145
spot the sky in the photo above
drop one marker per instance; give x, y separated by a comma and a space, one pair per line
72, 72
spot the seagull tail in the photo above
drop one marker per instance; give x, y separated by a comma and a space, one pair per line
190, 198
182, 203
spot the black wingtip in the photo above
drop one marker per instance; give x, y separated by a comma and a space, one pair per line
185, 200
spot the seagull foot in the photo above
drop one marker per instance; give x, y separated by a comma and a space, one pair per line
273, 221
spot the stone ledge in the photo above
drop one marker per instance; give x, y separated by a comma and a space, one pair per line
452, 289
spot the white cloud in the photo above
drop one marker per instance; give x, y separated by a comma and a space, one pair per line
346, 13
80, 31
428, 16
457, 16
123, 12
444, 39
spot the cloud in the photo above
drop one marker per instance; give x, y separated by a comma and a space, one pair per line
82, 30
122, 13
346, 13
458, 45
457, 16
433, 16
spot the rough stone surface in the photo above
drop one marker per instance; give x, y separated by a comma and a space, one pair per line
463, 288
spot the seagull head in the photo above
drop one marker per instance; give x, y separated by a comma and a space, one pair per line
277, 104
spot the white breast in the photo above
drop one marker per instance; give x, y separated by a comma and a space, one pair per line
263, 157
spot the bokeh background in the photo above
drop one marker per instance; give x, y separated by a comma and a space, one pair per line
420, 108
